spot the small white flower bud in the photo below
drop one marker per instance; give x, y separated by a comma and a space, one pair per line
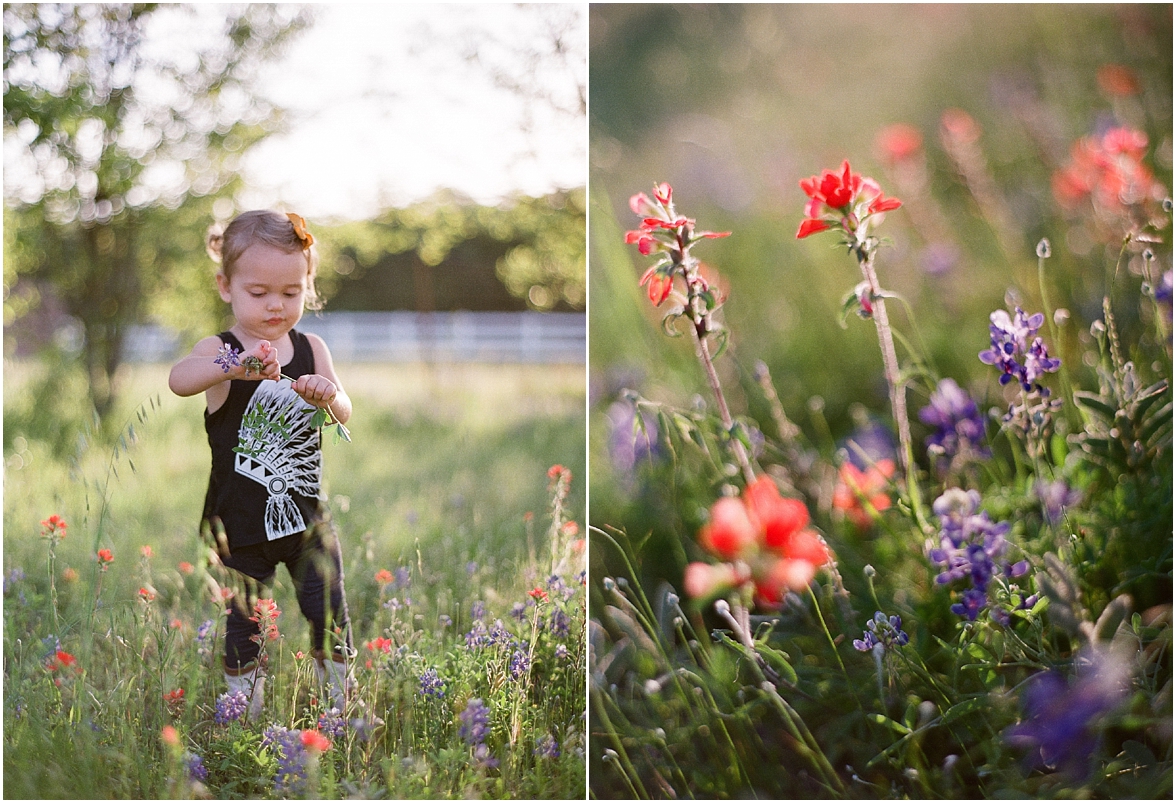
1043, 249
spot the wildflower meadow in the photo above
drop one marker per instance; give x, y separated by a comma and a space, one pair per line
456, 500
950, 574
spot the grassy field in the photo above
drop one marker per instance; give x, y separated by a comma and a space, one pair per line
445, 487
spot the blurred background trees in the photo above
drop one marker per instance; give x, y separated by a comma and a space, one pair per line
127, 128
119, 143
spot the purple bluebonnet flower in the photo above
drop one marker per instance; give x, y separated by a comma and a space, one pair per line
1061, 723
631, 443
471, 567
1164, 291
1055, 497
561, 651
291, 756
196, 769
971, 547
227, 357
500, 636
519, 611
403, 577
230, 707
869, 444
475, 722
520, 662
882, 630
958, 422
445, 619
12, 577
546, 746
483, 757
559, 623
332, 724
478, 610
1014, 337
478, 636
431, 684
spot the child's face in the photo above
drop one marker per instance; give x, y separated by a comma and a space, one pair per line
266, 290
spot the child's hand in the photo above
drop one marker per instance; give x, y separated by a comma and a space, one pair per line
261, 362
315, 389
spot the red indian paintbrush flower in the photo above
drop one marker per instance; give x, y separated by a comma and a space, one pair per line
843, 199
666, 233
765, 539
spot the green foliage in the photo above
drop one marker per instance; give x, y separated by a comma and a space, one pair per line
435, 255
436, 492
92, 111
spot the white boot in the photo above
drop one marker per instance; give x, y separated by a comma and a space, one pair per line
252, 685
337, 677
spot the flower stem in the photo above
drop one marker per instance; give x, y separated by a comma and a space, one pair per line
712, 378
865, 256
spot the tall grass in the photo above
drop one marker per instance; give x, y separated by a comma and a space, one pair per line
448, 520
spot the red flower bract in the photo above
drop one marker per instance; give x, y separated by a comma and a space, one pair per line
765, 537
841, 198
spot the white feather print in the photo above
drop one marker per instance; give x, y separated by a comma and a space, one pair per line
278, 448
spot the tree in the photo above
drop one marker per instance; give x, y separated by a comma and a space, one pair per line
127, 119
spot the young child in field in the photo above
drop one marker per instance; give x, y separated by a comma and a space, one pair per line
264, 492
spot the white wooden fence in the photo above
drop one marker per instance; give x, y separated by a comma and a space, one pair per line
447, 337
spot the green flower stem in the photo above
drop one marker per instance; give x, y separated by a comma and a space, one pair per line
897, 388
808, 746
712, 378
1072, 414
833, 645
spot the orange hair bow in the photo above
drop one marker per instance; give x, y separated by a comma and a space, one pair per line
300, 231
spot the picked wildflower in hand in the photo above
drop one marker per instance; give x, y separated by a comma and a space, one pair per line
881, 630
227, 357
230, 707
1015, 336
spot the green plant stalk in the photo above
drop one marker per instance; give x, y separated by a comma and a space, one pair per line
1072, 414
712, 378
625, 766
797, 727
897, 388
833, 645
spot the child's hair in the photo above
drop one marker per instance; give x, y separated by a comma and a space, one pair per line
285, 232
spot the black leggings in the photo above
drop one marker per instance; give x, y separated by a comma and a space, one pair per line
315, 563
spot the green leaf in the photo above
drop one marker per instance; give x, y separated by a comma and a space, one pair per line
968, 706
778, 660
888, 722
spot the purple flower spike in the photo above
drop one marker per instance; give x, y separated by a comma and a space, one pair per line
959, 425
1015, 336
884, 631
226, 358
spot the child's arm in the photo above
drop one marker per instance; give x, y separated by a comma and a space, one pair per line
323, 389
200, 370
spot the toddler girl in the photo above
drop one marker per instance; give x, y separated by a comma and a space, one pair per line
263, 380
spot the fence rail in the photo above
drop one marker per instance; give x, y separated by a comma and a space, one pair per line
504, 337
